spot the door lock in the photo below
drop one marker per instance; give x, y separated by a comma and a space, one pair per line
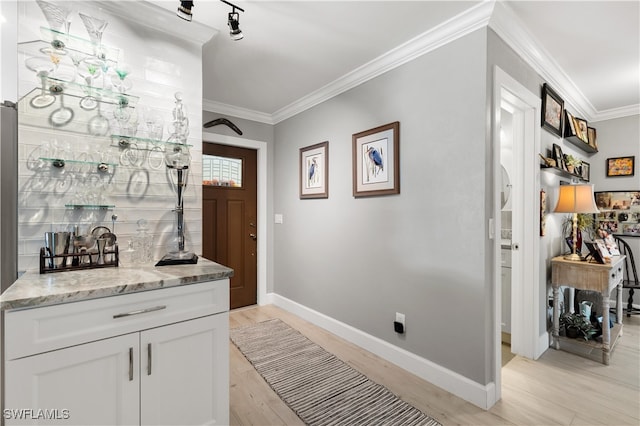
515, 246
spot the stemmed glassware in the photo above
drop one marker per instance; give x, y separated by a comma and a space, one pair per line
95, 28
118, 80
42, 67
57, 16
89, 70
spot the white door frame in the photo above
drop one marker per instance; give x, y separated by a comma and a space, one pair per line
526, 337
261, 148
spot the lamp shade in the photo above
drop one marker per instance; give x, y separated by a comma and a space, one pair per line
576, 199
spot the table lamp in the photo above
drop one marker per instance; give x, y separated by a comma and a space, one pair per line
575, 198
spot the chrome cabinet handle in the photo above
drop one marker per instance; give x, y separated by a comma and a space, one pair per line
148, 359
130, 364
141, 311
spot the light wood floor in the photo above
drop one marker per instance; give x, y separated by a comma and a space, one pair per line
558, 389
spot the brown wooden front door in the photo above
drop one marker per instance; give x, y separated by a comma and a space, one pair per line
229, 216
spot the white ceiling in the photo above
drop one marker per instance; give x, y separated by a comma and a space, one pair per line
296, 49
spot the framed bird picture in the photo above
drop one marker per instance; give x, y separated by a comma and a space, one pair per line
314, 171
376, 161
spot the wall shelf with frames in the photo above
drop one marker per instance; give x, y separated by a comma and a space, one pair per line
561, 173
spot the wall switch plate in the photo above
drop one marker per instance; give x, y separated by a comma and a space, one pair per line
278, 218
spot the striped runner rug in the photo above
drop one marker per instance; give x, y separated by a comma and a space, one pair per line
320, 388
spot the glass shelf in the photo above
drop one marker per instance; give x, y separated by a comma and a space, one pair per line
90, 206
63, 44
126, 141
60, 162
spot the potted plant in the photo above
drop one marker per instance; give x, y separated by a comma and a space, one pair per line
572, 162
584, 224
575, 325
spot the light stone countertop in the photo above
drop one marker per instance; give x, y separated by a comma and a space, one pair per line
33, 289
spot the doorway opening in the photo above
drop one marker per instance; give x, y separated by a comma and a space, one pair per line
519, 110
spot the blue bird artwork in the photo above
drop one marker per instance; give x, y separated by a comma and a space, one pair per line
375, 162
314, 173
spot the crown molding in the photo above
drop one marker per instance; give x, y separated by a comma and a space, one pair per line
160, 19
448, 31
495, 14
511, 29
239, 112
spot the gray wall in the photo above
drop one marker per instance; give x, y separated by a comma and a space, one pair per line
422, 252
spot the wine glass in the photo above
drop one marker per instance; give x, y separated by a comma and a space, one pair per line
122, 71
89, 70
57, 16
42, 67
99, 124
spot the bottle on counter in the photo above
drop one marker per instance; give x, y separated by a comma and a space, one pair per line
143, 243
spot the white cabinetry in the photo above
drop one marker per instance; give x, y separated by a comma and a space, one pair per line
146, 358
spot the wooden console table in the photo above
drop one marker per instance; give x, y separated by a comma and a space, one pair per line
590, 276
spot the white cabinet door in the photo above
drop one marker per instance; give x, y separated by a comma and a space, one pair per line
185, 373
94, 383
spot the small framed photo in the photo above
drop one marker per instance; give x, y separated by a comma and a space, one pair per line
376, 161
552, 110
621, 166
559, 157
582, 129
585, 171
314, 171
591, 136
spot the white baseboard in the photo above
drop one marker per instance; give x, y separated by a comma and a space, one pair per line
484, 396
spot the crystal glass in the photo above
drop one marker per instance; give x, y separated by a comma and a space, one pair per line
119, 78
180, 124
42, 67
99, 124
95, 27
76, 58
154, 122
57, 16
89, 69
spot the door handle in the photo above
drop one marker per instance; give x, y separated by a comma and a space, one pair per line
130, 364
515, 246
253, 237
148, 359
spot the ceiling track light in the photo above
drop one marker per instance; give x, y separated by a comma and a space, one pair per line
184, 10
234, 22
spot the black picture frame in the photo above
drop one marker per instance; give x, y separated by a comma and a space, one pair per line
585, 171
621, 166
594, 252
559, 157
552, 110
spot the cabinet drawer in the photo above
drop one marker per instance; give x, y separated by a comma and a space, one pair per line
616, 275
32, 331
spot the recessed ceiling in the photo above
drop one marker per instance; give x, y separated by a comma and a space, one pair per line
294, 48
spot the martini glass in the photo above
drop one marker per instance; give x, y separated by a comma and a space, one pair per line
122, 71
42, 67
57, 16
76, 58
95, 27
89, 70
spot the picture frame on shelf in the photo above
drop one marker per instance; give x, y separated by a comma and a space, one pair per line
314, 171
552, 110
585, 171
582, 129
376, 161
621, 166
559, 157
592, 137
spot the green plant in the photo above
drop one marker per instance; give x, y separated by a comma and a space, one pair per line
579, 323
571, 160
585, 224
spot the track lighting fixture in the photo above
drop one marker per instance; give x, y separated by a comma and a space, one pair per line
234, 22
184, 10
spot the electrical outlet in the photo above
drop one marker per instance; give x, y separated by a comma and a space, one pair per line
398, 324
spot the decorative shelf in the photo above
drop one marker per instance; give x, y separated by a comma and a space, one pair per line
60, 163
90, 206
560, 172
576, 141
126, 141
64, 44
